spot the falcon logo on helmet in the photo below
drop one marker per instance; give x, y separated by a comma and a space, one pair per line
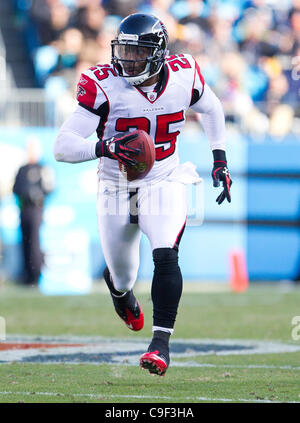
140, 47
160, 29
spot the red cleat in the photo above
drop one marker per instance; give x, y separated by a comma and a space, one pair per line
126, 305
132, 316
155, 362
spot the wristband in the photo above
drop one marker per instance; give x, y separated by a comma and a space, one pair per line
219, 156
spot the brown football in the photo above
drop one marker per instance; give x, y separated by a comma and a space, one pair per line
145, 158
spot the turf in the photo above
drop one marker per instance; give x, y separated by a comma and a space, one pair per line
264, 312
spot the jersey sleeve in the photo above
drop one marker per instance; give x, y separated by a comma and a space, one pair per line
212, 118
71, 144
90, 95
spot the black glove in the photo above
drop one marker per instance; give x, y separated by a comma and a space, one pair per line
221, 173
116, 148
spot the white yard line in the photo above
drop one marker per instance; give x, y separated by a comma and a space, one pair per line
104, 395
233, 366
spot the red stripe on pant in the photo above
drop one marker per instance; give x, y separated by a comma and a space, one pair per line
178, 238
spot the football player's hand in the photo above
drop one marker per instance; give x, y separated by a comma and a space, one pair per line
220, 174
116, 148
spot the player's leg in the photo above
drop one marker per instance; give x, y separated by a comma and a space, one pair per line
31, 218
120, 244
164, 227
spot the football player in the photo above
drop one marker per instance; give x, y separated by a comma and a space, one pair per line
143, 88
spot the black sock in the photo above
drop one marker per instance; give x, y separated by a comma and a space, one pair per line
166, 287
161, 335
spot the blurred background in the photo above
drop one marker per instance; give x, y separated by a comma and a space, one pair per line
248, 52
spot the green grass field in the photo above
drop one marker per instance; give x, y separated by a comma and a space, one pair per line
262, 313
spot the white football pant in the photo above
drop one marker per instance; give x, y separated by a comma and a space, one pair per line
158, 210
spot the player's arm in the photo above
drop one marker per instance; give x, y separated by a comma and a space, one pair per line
72, 145
205, 102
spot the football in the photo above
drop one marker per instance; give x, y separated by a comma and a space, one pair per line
145, 158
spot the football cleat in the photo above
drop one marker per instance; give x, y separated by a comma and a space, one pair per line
155, 361
130, 311
126, 306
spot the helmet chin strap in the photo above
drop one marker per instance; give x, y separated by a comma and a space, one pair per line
138, 79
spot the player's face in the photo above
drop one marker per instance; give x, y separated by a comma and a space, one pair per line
133, 58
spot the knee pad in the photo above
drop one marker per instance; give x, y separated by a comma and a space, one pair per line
165, 259
161, 255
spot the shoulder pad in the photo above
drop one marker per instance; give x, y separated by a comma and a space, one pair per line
90, 94
180, 61
101, 72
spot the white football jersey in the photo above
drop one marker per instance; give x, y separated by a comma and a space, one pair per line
124, 108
